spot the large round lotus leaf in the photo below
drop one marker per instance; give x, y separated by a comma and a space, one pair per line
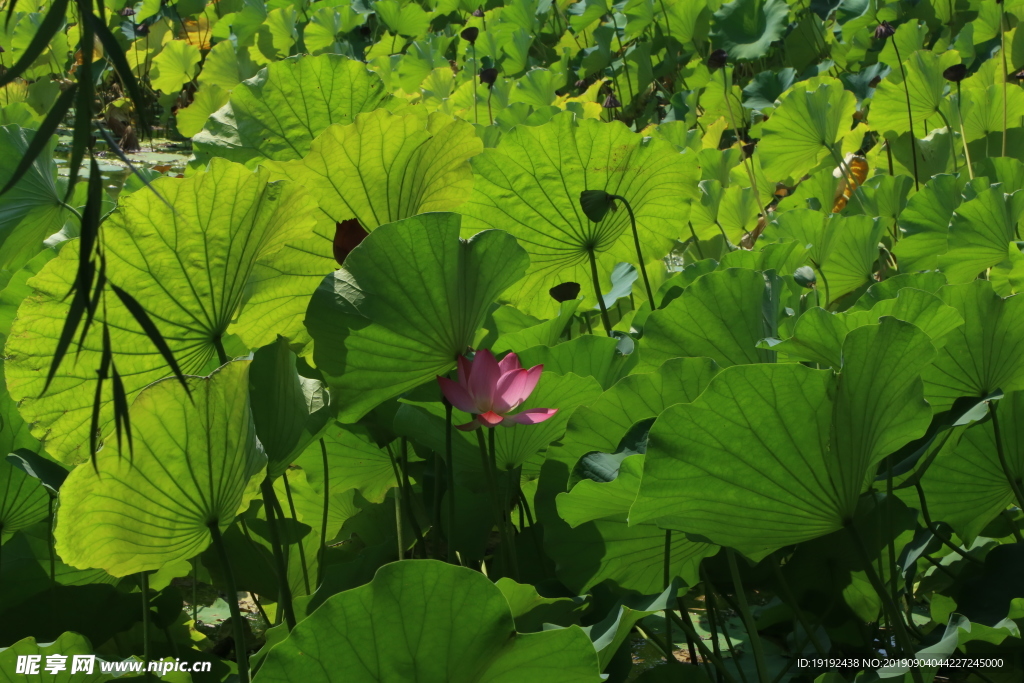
806, 127
426, 621
720, 316
277, 113
384, 167
530, 185
986, 353
229, 252
775, 454
408, 301
926, 88
981, 232
746, 28
966, 486
193, 466
33, 208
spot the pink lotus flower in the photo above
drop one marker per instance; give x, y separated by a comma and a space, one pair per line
490, 390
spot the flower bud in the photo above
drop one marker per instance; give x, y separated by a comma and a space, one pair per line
955, 73
718, 59
884, 30
470, 34
611, 102
489, 76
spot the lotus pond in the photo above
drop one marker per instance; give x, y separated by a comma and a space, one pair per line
518, 341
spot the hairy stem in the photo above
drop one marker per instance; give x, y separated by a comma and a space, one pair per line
241, 654
597, 291
285, 597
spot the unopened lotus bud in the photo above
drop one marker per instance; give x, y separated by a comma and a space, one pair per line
955, 73
489, 76
470, 34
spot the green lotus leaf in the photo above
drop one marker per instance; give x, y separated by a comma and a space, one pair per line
926, 87
600, 425
819, 335
586, 356
225, 67
966, 486
985, 354
775, 454
175, 66
204, 265
195, 464
23, 502
842, 249
410, 299
720, 316
206, 102
289, 410
603, 547
925, 223
983, 110
746, 28
530, 185
404, 19
33, 209
427, 620
547, 333
280, 111
531, 610
354, 462
68, 644
981, 230
382, 168
807, 127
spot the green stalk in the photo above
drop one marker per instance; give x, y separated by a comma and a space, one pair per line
710, 606
398, 503
295, 517
892, 612
476, 111
748, 617
597, 290
1015, 482
144, 585
435, 507
787, 593
639, 252
963, 134
492, 490
667, 576
506, 535
450, 464
195, 589
746, 162
696, 242
49, 541
891, 545
935, 529
1002, 53
236, 615
285, 597
952, 141
704, 652
910, 117
403, 453
625, 66
323, 520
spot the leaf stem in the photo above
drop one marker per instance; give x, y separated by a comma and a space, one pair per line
450, 465
667, 579
295, 518
910, 116
963, 134
935, 529
285, 591
398, 504
748, 617
794, 605
144, 587
241, 655
952, 140
746, 162
597, 290
323, 519
503, 528
639, 252
892, 612
492, 490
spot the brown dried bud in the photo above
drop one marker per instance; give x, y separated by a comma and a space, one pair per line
884, 30
478, 12
470, 34
127, 12
611, 102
